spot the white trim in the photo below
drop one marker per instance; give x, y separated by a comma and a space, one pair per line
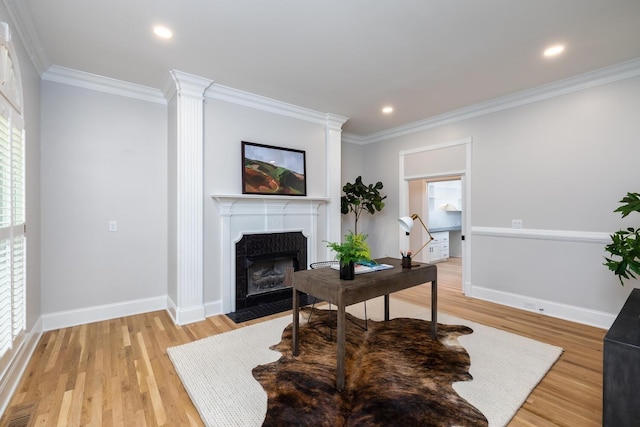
548, 308
184, 316
403, 196
98, 313
257, 214
624, 70
557, 235
213, 308
239, 97
232, 198
438, 175
466, 220
18, 365
98, 83
24, 25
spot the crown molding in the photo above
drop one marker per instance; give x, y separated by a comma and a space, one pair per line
247, 99
624, 70
189, 84
84, 80
20, 14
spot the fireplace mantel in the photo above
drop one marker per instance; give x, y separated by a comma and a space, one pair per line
266, 199
242, 214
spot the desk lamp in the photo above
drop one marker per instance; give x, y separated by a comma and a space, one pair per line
406, 223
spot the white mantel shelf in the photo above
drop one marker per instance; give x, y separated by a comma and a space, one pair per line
266, 197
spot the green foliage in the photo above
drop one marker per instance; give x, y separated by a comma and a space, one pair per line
354, 248
359, 197
625, 244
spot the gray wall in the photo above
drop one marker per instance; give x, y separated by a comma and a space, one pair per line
559, 164
105, 158
226, 125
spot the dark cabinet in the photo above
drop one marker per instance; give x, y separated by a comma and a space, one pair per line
621, 370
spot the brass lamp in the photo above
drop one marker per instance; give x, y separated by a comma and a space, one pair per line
406, 223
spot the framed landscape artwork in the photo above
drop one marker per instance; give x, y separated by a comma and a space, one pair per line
273, 170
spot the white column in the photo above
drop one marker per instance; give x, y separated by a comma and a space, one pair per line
333, 142
188, 198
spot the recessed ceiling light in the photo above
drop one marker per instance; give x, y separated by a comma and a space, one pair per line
162, 32
387, 110
554, 50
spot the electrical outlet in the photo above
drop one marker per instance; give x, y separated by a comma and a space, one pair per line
516, 223
113, 225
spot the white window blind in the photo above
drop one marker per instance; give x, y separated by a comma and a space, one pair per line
12, 201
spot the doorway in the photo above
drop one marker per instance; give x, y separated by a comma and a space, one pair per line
439, 203
445, 209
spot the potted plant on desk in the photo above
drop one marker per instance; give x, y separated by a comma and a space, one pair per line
353, 249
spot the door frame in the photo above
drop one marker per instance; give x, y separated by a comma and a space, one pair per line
465, 176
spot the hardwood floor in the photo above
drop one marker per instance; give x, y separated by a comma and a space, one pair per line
117, 373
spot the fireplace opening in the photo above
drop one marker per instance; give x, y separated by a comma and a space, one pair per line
261, 260
265, 276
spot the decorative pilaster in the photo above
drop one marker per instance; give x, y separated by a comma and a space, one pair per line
186, 216
333, 143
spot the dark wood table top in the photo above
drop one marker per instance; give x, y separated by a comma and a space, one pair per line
325, 283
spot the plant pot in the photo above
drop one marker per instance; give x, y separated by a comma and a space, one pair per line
347, 270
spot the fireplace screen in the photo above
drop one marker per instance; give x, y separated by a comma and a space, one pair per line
267, 276
261, 260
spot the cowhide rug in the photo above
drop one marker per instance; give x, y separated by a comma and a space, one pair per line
396, 374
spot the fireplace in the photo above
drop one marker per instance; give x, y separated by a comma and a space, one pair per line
261, 260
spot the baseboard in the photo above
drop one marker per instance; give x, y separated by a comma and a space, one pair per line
11, 378
213, 308
184, 316
65, 319
595, 318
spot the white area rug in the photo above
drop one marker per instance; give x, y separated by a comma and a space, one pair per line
216, 371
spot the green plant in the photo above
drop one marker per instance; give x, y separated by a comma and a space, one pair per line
625, 244
359, 197
354, 248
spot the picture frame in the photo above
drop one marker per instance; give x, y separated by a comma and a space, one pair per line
271, 170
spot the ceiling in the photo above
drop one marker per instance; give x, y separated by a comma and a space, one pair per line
351, 58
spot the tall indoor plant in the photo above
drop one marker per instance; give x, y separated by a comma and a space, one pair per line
625, 244
359, 197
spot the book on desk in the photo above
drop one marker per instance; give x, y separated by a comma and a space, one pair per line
366, 267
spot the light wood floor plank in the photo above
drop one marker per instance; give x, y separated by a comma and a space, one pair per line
117, 372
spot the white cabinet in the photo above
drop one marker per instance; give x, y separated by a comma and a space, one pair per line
438, 249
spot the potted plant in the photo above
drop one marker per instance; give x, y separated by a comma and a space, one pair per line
625, 244
353, 249
359, 197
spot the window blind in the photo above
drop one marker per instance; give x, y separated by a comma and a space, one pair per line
12, 202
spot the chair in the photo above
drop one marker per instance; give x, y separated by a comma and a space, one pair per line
329, 264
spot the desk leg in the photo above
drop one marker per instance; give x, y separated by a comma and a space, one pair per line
341, 347
434, 308
386, 307
296, 320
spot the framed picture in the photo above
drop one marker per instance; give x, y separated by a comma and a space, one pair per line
273, 170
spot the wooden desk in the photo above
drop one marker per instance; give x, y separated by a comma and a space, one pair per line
325, 284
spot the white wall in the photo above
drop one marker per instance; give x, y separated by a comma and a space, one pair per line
560, 164
104, 158
226, 125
